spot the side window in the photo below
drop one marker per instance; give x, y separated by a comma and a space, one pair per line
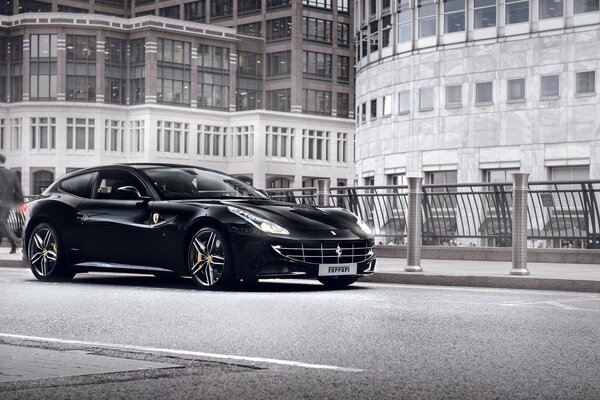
111, 180
79, 185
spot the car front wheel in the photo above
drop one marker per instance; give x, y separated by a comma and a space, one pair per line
46, 255
209, 259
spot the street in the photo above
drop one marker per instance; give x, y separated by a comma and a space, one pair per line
295, 339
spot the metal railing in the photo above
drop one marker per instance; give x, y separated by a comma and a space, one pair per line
558, 213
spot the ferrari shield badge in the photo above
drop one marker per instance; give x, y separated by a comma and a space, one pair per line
155, 218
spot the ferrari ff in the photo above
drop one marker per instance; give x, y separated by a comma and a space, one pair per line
175, 220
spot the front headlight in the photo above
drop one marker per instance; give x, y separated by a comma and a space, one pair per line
361, 224
259, 222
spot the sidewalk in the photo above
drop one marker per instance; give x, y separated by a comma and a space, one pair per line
493, 274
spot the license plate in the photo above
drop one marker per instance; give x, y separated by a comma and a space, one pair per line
337, 269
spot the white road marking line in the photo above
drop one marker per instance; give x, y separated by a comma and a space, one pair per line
181, 352
519, 303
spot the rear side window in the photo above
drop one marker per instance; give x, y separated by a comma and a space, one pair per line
79, 185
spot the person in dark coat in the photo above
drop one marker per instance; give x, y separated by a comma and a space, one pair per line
10, 197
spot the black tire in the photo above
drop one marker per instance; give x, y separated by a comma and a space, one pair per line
210, 261
46, 255
338, 282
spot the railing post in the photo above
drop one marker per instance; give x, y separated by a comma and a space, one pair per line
323, 192
519, 225
413, 226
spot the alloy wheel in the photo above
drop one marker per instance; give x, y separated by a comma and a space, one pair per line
45, 252
207, 257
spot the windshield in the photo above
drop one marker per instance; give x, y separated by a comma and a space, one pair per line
179, 183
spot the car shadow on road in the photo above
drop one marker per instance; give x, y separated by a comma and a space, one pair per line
186, 283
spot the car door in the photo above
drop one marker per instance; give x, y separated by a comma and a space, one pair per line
115, 230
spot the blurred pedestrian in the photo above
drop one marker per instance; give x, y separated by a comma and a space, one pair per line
11, 196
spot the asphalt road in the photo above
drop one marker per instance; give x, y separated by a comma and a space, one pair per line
298, 340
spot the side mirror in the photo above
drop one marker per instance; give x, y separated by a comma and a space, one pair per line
128, 193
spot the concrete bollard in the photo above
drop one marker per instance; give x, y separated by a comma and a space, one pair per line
413, 225
519, 224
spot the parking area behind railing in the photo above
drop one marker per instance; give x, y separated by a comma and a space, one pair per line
559, 214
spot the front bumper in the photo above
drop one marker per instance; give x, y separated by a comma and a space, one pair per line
289, 258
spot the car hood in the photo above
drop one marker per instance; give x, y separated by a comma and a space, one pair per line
298, 216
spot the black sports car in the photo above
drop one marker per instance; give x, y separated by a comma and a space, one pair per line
184, 220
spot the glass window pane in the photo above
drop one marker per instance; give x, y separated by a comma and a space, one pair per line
484, 92
550, 86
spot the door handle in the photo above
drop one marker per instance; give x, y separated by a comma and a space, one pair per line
80, 217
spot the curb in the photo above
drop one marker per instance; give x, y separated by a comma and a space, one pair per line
508, 282
12, 263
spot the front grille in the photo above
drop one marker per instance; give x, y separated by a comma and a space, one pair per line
327, 252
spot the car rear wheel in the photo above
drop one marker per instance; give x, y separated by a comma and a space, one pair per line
209, 259
46, 255
338, 282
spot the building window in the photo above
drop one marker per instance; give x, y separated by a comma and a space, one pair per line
425, 99
363, 113
550, 86
585, 82
585, 6
172, 137
245, 6
279, 64
15, 135
278, 29
342, 147
516, 89
484, 93
278, 3
174, 72
454, 16
427, 18
115, 58
43, 133
386, 32
517, 11
316, 65
373, 109
387, 105
11, 69
316, 102
454, 96
114, 135
484, 13
43, 67
195, 11
499, 175
220, 8
2, 135
81, 68
316, 29
251, 29
551, 9
395, 179
42, 179
404, 26
250, 84
137, 129
404, 102
579, 173
343, 34
279, 142
343, 69
440, 177
169, 12
373, 8
213, 77
212, 141
315, 145
137, 71
243, 141
80, 133
342, 6
374, 36
318, 3
279, 100
343, 105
